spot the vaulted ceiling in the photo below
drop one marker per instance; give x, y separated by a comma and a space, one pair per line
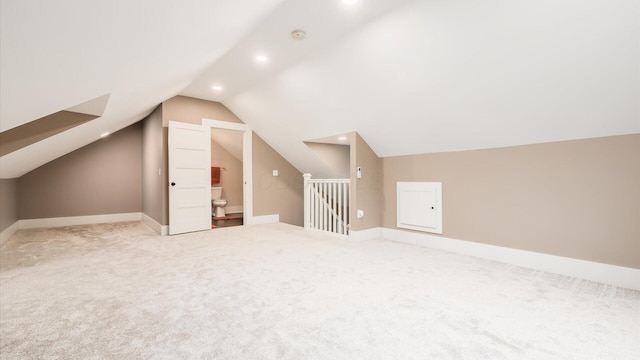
411, 76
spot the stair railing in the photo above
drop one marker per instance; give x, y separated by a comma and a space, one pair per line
326, 204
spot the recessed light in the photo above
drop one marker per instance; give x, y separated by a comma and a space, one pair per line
262, 58
217, 87
298, 34
342, 138
104, 134
349, 2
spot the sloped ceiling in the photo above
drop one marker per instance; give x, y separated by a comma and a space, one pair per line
410, 76
56, 54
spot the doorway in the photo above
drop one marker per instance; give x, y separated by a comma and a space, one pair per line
226, 178
189, 175
233, 141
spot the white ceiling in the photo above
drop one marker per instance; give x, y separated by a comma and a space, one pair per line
56, 54
410, 76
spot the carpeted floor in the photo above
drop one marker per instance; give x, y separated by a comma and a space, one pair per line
118, 291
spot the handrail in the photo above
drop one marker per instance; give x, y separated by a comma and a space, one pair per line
330, 181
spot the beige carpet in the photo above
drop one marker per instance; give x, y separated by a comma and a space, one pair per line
118, 291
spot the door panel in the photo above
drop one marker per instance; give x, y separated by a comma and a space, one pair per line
417, 208
420, 206
189, 178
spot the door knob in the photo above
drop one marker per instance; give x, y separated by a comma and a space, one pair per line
173, 184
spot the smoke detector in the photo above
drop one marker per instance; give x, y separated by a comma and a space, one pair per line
298, 35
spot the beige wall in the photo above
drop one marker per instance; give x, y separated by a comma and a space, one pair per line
8, 203
578, 199
336, 157
366, 192
191, 110
282, 195
101, 178
40, 129
230, 175
153, 167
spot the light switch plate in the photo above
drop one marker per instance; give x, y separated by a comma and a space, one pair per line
275, 172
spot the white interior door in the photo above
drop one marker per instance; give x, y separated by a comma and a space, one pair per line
189, 178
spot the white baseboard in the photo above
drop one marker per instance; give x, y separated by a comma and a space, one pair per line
233, 209
264, 219
160, 229
326, 233
8, 232
589, 270
78, 220
368, 234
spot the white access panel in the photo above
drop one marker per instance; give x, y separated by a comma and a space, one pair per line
420, 206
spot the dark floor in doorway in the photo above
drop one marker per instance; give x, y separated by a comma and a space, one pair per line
226, 221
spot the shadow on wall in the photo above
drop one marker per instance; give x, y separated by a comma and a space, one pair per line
335, 156
281, 194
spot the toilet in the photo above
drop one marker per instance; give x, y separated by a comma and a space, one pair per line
217, 202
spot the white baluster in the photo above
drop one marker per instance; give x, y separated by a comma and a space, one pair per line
307, 198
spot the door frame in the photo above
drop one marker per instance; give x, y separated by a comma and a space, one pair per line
247, 162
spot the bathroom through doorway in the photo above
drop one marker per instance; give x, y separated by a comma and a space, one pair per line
226, 178
231, 171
